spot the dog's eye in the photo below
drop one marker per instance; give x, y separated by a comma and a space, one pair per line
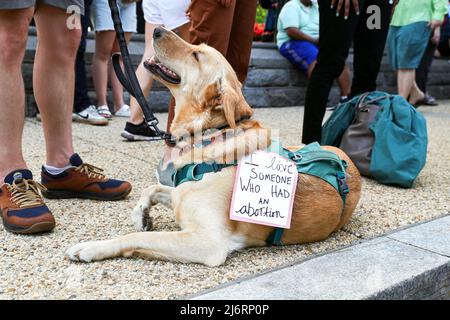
195, 54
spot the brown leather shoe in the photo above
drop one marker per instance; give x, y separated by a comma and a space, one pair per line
22, 206
83, 181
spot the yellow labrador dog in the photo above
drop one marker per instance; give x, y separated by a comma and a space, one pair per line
208, 95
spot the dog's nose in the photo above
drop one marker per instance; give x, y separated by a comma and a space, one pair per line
157, 33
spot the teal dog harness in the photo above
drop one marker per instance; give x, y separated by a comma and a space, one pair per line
311, 160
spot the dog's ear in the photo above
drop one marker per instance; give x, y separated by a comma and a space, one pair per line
212, 96
233, 102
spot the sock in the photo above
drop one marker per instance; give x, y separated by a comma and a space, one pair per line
54, 170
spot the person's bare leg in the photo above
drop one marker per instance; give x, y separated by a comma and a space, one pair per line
13, 39
405, 83
144, 77
116, 86
104, 41
344, 82
311, 68
54, 81
416, 94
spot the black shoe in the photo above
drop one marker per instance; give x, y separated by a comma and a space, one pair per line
430, 101
139, 132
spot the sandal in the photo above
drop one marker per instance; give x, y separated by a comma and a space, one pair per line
104, 112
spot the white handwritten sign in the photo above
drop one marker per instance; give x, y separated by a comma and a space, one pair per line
264, 190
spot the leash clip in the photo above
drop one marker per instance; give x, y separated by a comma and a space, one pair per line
161, 134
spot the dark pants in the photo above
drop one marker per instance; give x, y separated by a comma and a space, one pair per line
336, 37
82, 100
228, 30
424, 67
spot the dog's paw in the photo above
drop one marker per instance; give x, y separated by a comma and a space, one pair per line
141, 218
89, 251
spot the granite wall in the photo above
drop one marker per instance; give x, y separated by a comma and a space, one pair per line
272, 80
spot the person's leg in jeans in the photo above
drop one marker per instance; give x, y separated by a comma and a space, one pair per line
336, 35
82, 100
13, 38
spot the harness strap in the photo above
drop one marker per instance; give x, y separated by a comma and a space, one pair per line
196, 171
274, 238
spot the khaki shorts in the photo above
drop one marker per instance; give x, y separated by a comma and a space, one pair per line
22, 4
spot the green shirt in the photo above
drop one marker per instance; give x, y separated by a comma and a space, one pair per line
410, 11
295, 14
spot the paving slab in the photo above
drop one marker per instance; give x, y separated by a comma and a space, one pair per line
382, 268
433, 236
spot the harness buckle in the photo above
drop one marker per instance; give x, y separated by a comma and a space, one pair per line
342, 183
297, 157
216, 167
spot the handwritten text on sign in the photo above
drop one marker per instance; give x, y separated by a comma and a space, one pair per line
264, 190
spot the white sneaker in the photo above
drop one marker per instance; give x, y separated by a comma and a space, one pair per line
124, 111
104, 112
89, 115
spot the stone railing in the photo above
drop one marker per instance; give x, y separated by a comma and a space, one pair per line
272, 81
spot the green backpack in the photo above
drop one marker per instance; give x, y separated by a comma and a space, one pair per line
400, 137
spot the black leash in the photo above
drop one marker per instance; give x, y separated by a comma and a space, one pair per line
129, 79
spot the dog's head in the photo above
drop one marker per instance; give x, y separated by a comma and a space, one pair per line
207, 91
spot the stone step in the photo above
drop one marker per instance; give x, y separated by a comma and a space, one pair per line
272, 81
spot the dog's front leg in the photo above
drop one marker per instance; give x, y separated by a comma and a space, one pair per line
151, 196
181, 246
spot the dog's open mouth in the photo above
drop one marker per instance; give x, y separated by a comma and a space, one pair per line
161, 70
